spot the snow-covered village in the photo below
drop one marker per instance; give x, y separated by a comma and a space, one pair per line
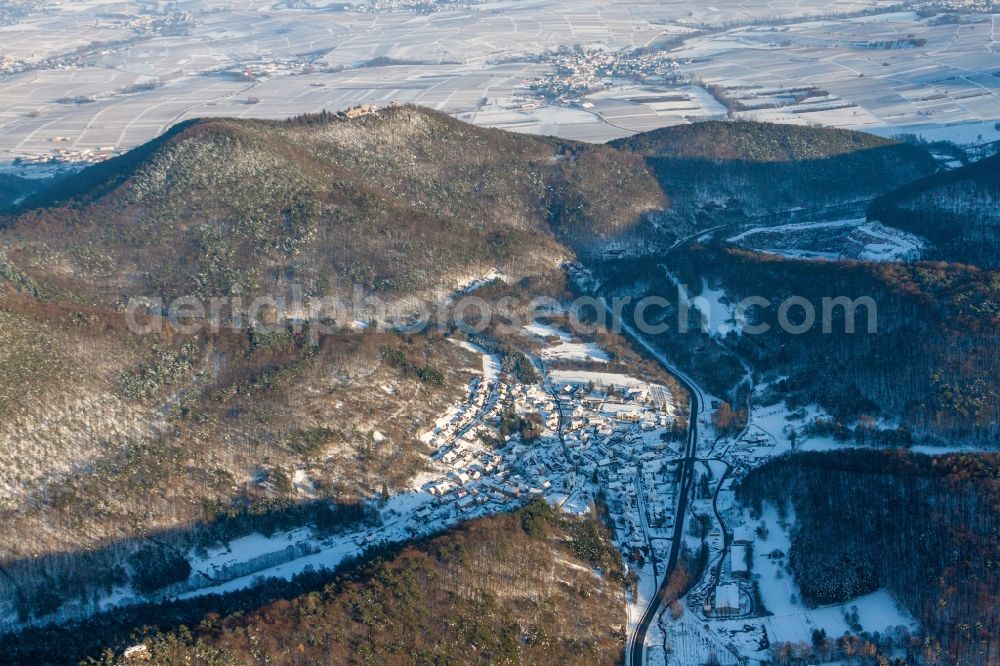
613, 446
479, 332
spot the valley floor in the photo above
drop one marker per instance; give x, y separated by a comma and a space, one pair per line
591, 440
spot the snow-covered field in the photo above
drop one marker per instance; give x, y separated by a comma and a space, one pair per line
719, 314
789, 619
600, 378
722, 315
833, 240
889, 73
566, 348
491, 368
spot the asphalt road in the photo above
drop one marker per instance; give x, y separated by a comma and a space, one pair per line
638, 640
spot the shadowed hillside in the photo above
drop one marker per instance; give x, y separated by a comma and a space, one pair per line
717, 172
749, 141
958, 211
930, 362
529, 587
14, 189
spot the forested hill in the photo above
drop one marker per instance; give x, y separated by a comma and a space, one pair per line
399, 201
931, 361
750, 141
925, 528
728, 171
958, 211
14, 189
530, 587
404, 200
930, 364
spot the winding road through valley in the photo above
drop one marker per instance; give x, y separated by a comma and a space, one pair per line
637, 640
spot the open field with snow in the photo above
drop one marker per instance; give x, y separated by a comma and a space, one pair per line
789, 620
833, 240
887, 74
563, 347
79, 82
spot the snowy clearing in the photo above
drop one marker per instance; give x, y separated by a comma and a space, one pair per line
833, 240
